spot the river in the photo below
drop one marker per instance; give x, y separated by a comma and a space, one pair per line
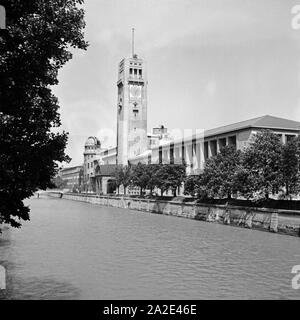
76, 250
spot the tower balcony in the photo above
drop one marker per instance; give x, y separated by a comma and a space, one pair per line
136, 79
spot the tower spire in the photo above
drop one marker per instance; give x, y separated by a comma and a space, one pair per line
132, 44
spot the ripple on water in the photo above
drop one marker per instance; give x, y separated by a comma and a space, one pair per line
74, 250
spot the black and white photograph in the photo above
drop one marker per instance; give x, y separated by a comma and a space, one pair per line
149, 150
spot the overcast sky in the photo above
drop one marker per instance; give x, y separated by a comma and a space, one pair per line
210, 63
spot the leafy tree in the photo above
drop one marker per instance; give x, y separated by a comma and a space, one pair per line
262, 161
191, 185
219, 173
140, 176
36, 45
152, 176
123, 176
170, 176
76, 188
58, 182
127, 177
290, 162
244, 181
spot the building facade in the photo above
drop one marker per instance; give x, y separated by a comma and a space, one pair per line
134, 145
104, 180
73, 177
195, 149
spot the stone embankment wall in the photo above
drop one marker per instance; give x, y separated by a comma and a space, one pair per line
279, 221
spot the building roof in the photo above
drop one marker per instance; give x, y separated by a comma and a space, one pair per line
92, 141
266, 122
71, 168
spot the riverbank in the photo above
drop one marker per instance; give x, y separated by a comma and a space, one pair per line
273, 220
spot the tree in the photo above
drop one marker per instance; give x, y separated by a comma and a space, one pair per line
219, 172
262, 161
140, 176
59, 183
36, 45
289, 167
170, 176
123, 176
191, 185
152, 174
127, 177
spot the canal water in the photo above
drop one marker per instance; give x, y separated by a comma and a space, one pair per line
75, 250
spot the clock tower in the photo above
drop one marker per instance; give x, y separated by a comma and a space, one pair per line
131, 109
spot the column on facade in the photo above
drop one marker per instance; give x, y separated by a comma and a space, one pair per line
218, 145
177, 154
188, 157
209, 149
284, 139
200, 152
166, 154
154, 157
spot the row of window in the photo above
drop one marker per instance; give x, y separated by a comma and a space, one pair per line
90, 165
210, 147
288, 137
135, 73
212, 144
89, 156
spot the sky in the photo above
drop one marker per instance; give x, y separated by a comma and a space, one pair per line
209, 63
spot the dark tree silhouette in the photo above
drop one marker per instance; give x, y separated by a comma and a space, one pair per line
36, 44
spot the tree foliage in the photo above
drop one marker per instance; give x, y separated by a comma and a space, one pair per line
219, 172
150, 176
262, 161
192, 185
266, 166
59, 183
123, 176
290, 165
36, 45
140, 176
170, 176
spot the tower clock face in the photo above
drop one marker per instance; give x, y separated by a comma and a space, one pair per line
135, 92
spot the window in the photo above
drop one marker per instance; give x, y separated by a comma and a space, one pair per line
289, 137
194, 149
160, 155
222, 143
182, 152
172, 153
279, 136
232, 141
135, 113
205, 150
140, 74
213, 147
